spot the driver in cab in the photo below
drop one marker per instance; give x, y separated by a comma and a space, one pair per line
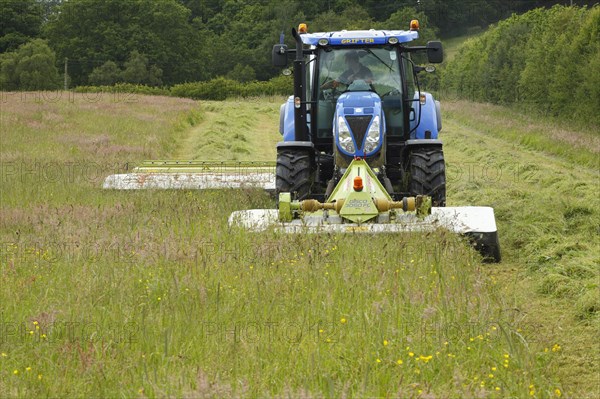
355, 71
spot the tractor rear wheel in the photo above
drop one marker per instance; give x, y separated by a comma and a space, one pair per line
428, 174
294, 172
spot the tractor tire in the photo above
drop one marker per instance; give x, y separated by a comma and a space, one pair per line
428, 174
294, 173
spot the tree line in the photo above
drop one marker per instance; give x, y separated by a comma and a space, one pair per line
545, 60
166, 42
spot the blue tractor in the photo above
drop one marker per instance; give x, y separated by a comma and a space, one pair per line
357, 96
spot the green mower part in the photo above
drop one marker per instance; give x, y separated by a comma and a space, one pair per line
359, 197
191, 166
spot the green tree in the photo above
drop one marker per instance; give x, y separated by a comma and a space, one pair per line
20, 21
95, 31
137, 71
105, 75
242, 73
30, 67
350, 18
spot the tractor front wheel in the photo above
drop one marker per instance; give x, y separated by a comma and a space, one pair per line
294, 172
428, 174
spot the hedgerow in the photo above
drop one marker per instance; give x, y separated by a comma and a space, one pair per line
546, 60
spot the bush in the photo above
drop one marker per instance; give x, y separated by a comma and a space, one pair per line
216, 89
124, 88
222, 88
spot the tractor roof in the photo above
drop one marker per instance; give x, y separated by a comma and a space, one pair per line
359, 37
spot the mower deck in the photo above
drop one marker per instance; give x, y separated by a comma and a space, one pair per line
475, 222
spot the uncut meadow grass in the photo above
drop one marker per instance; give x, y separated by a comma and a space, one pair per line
151, 294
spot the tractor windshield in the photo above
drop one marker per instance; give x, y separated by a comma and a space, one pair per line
369, 69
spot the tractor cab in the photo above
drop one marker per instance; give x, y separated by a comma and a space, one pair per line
356, 95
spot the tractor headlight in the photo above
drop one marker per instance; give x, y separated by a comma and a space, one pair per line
344, 136
373, 136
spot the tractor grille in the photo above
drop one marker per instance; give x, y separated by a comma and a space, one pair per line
359, 125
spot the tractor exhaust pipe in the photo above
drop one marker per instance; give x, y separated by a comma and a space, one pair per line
300, 128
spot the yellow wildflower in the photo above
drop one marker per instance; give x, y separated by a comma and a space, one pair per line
399, 361
557, 392
343, 320
556, 348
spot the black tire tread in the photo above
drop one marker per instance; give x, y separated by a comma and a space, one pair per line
293, 173
428, 174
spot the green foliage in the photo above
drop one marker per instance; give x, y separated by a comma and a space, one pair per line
136, 70
215, 89
105, 75
92, 32
192, 40
544, 60
353, 17
124, 88
20, 21
31, 67
223, 88
401, 18
242, 73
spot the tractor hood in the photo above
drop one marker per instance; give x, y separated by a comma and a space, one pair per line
359, 123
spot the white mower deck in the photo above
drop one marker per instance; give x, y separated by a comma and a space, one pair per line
461, 220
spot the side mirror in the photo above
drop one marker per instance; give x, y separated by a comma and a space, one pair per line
280, 56
435, 53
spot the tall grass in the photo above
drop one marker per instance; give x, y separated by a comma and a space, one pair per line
151, 294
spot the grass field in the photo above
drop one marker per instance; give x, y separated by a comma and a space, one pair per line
150, 294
